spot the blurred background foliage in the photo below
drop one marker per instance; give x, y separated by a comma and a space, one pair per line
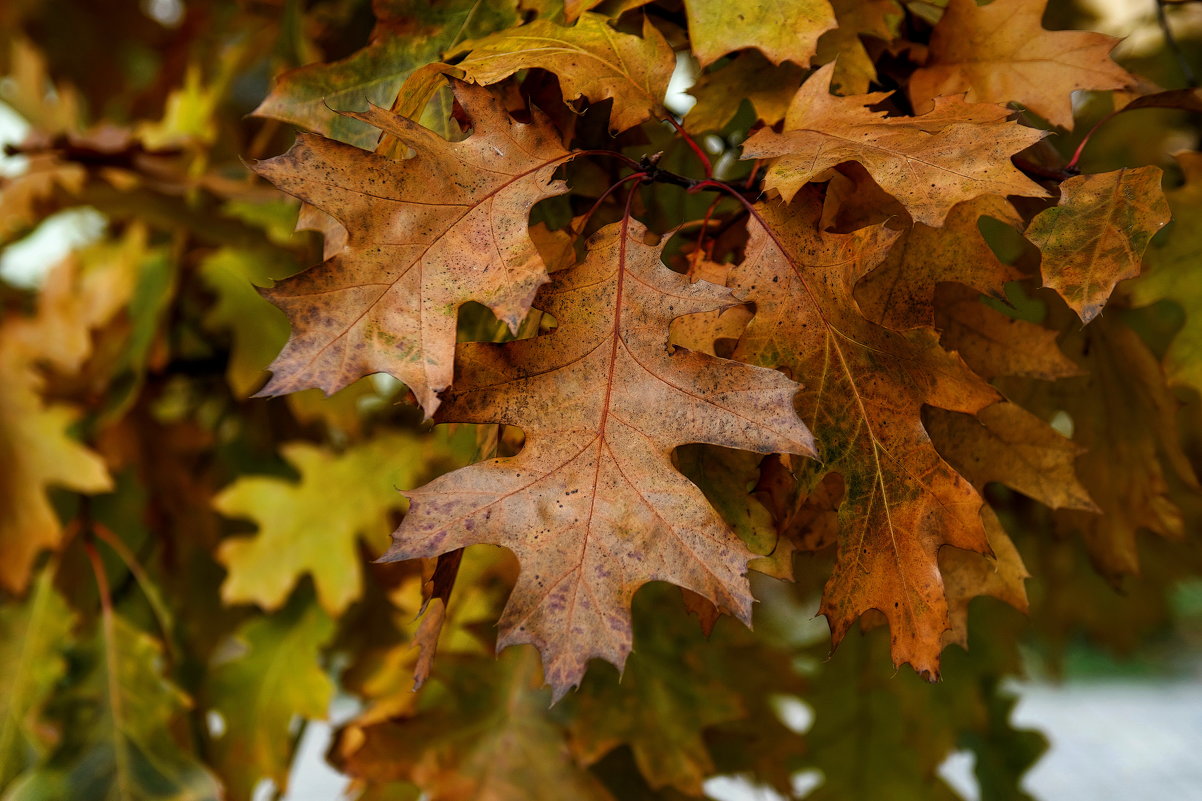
187, 579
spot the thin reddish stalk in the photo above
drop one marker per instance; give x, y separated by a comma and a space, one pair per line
696, 148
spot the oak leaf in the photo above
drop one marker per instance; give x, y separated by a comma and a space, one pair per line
900, 293
32, 662
865, 388
1000, 52
591, 59
301, 532
425, 235
968, 575
1097, 234
260, 692
854, 69
408, 35
36, 453
784, 30
120, 744
746, 77
1124, 418
490, 738
957, 152
995, 344
591, 506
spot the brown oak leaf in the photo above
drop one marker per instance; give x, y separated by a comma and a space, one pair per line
865, 388
424, 235
1000, 52
592, 506
957, 152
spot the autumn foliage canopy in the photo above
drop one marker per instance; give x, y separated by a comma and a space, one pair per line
882, 323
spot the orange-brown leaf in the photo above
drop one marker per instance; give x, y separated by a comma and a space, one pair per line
592, 506
1000, 52
865, 388
424, 236
957, 152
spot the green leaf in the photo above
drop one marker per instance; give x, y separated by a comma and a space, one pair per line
117, 742
258, 694
409, 35
313, 526
483, 732
33, 637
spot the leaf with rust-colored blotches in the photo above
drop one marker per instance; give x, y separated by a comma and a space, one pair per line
489, 737
864, 390
1000, 52
1176, 274
592, 506
408, 35
899, 294
258, 694
591, 59
1096, 235
36, 453
783, 30
957, 152
1008, 444
425, 235
1124, 417
301, 531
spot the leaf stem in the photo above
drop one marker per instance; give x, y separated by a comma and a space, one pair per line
706, 164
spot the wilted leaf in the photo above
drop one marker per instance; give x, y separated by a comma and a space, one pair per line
1097, 234
865, 388
591, 506
854, 69
956, 153
1000, 52
426, 235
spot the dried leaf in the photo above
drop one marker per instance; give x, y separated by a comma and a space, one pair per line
931, 163
591, 506
1097, 234
865, 388
426, 235
1000, 52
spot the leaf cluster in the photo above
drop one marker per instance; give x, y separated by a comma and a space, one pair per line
893, 314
